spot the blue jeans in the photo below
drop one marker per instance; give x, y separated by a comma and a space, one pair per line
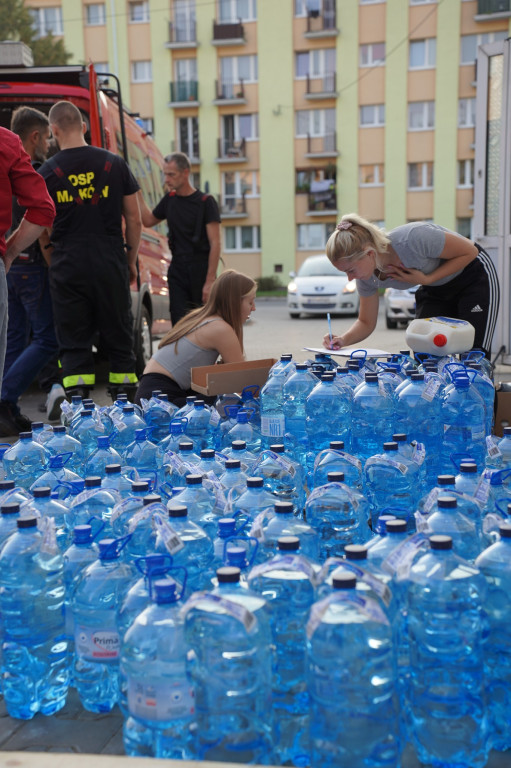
30, 309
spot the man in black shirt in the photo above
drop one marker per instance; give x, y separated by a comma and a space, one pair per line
91, 266
193, 220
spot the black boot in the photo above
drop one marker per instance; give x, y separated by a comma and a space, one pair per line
130, 390
83, 392
12, 421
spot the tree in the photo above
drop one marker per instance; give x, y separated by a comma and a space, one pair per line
16, 24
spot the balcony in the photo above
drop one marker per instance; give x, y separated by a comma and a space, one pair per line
322, 23
182, 35
229, 92
320, 87
230, 33
232, 207
184, 94
322, 146
322, 198
493, 9
230, 151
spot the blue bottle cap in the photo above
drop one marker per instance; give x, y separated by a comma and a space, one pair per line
399, 437
82, 534
226, 527
37, 425
468, 467
25, 435
103, 441
236, 556
164, 591
109, 549
59, 429
140, 435
128, 409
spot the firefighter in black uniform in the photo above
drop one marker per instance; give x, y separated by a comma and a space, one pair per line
91, 262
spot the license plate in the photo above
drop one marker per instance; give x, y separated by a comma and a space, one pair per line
317, 300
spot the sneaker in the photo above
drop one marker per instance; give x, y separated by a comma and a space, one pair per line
56, 396
12, 422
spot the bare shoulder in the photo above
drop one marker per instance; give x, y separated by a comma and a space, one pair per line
208, 335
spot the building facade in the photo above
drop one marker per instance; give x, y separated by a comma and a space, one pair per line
296, 111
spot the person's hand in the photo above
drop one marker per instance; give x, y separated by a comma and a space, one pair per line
133, 272
412, 276
337, 342
206, 288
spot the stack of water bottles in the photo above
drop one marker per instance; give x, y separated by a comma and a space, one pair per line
317, 576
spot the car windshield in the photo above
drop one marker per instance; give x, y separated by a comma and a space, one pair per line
319, 266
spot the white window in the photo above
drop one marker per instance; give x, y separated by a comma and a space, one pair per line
465, 173
470, 44
139, 11
95, 14
232, 11
141, 71
422, 53
234, 69
466, 113
186, 70
242, 238
312, 237
147, 124
184, 19
421, 115
315, 122
422, 2
372, 55
315, 64
372, 115
237, 127
101, 66
188, 132
46, 20
420, 175
371, 175
237, 184
464, 227
370, 2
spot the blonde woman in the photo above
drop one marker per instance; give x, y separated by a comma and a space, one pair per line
199, 338
456, 277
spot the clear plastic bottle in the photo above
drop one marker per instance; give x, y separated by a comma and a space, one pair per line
269, 526
295, 392
43, 505
448, 721
392, 480
157, 415
229, 635
253, 500
127, 507
198, 428
199, 502
93, 501
273, 422
245, 430
484, 385
233, 480
86, 428
61, 442
349, 647
328, 415
372, 417
501, 458
142, 454
25, 460
99, 458
238, 450
9, 491
9, 514
283, 476
210, 462
446, 519
126, 426
463, 418
116, 480
336, 459
192, 548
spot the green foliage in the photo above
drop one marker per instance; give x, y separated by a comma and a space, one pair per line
271, 283
16, 24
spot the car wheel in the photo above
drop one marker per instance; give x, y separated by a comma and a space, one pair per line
391, 323
294, 315
143, 341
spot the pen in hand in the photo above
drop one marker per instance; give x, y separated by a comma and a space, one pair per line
330, 330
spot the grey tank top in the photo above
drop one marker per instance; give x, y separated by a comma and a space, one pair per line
180, 357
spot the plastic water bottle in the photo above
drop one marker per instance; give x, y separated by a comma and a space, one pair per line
254, 499
501, 458
445, 596
176, 436
187, 408
273, 423
336, 459
99, 458
126, 426
126, 508
446, 487
288, 583
9, 491
296, 389
353, 721
199, 502
161, 700
238, 450
467, 479
192, 549
142, 454
43, 505
86, 430
390, 480
372, 416
484, 385
157, 415
233, 479
210, 462
41, 432
62, 443
228, 632
339, 514
269, 526
198, 427
94, 501
69, 410
9, 514
381, 548
328, 416
244, 430
283, 366
97, 597
463, 417
283, 477
228, 527
34, 666
115, 480
446, 519
495, 564
142, 527
25, 460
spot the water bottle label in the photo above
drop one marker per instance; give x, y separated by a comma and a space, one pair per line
431, 500
187, 468
366, 606
206, 601
492, 448
272, 426
398, 465
491, 523
160, 700
124, 506
212, 484
347, 494
430, 390
67, 410
138, 517
286, 563
345, 456
257, 526
119, 424
421, 522
280, 461
419, 454
400, 559
97, 644
172, 460
378, 587
482, 491
169, 536
214, 421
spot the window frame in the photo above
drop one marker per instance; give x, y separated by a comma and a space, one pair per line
144, 4
469, 109
190, 131
144, 79
238, 238
481, 38
427, 107
239, 193
465, 171
429, 54
39, 21
327, 229
254, 126
379, 111
322, 118
371, 61
426, 167
101, 16
235, 77
234, 17
322, 68
378, 173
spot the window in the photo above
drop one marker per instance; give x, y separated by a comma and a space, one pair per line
465, 173
420, 175
371, 175
184, 18
370, 2
464, 227
101, 66
186, 70
312, 237
46, 20
139, 11
141, 71
372, 115
147, 124
422, 53
315, 122
372, 55
466, 113
233, 69
188, 132
421, 115
95, 14
422, 2
238, 184
242, 238
470, 44
315, 64
312, 180
232, 11
237, 127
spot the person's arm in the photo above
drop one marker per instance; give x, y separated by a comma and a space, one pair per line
21, 239
363, 326
131, 213
45, 246
213, 232
456, 254
220, 335
148, 217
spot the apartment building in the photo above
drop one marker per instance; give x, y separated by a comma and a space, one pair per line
296, 111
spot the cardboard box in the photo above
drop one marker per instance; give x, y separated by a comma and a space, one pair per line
503, 415
230, 377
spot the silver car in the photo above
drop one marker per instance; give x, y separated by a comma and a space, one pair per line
319, 287
399, 305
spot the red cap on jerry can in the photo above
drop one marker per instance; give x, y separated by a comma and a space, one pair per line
440, 340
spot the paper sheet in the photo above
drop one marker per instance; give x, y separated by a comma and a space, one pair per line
348, 351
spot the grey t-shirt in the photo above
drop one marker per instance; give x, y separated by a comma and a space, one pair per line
418, 245
180, 357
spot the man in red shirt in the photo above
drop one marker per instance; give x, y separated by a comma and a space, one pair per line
18, 179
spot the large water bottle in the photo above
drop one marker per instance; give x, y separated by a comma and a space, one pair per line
283, 477
284, 366
269, 526
35, 668
142, 454
295, 392
86, 428
117, 480
353, 719
228, 527
446, 486
198, 428
192, 548
9, 491
328, 415
448, 722
99, 458
484, 385
233, 480
25, 460
176, 436
392, 480
446, 519
495, 564
463, 418
288, 583
372, 417
210, 462
69, 410
62, 443
93, 501
273, 422
125, 428
238, 450
500, 456
157, 415
228, 632
43, 505
187, 408
254, 499
9, 515
199, 502
380, 548
161, 700
339, 514
97, 597
336, 459
243, 429
127, 507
